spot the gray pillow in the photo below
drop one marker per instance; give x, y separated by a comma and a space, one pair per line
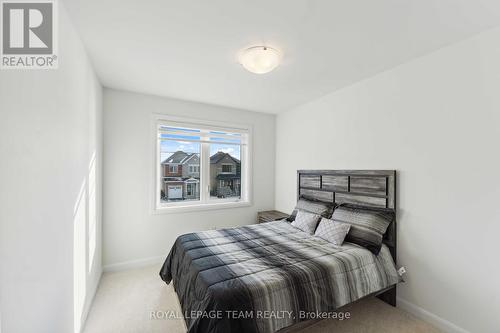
368, 226
306, 221
324, 209
332, 231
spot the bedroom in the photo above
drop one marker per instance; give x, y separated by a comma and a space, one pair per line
129, 127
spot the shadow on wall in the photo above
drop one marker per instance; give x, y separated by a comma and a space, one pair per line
84, 242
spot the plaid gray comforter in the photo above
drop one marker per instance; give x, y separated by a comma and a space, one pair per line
261, 278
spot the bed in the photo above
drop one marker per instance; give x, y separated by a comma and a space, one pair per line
265, 277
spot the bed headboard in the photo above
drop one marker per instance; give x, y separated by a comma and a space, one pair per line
369, 188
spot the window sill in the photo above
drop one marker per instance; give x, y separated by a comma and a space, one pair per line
199, 207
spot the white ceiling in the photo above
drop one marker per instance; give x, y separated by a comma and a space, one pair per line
188, 49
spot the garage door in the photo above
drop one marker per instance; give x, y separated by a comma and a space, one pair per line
175, 192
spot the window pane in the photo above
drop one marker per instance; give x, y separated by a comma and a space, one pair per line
222, 137
180, 170
225, 171
179, 130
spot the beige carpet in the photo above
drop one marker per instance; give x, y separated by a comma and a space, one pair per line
125, 300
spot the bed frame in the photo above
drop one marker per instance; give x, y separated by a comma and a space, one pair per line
368, 188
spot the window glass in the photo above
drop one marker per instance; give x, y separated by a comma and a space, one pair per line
201, 165
225, 171
179, 170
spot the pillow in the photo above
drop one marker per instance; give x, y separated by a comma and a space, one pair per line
324, 209
332, 231
368, 226
306, 221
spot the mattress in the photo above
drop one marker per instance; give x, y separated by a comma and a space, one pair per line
264, 277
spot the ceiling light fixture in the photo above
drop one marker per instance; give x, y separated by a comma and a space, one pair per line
260, 59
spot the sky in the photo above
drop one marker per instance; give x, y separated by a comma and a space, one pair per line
170, 147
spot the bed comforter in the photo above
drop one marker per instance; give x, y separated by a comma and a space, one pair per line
264, 277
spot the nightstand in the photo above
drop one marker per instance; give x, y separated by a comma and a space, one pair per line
270, 215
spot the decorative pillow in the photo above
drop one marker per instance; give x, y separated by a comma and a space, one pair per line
306, 221
332, 231
368, 226
324, 209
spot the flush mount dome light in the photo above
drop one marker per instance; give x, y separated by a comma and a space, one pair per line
260, 59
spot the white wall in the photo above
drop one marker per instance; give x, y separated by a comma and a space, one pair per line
50, 176
437, 121
131, 232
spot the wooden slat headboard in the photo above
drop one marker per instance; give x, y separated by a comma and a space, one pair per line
369, 188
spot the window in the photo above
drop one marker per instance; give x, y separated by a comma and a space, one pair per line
194, 169
227, 168
208, 165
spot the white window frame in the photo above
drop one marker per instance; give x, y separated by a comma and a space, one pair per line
205, 202
175, 168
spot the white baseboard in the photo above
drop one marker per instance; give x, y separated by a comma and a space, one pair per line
431, 318
122, 266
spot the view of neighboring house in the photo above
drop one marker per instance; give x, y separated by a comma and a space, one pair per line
225, 175
181, 176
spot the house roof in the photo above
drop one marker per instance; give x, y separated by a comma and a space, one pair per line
223, 176
190, 156
180, 157
176, 157
173, 179
215, 158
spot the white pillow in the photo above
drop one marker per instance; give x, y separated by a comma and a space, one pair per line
332, 231
306, 221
